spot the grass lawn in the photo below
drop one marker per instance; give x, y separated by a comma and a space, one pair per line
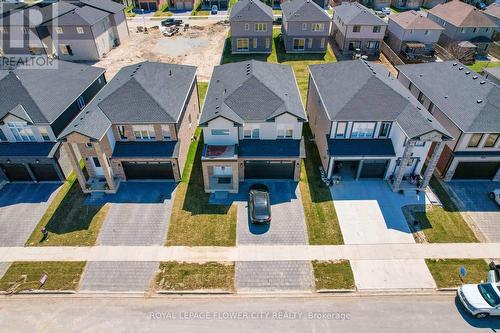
69, 220
446, 224
26, 275
322, 222
195, 222
189, 276
333, 275
129, 11
479, 66
299, 62
445, 271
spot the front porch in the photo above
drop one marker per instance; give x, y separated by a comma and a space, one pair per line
100, 185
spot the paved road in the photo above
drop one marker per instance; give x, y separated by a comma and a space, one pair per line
407, 314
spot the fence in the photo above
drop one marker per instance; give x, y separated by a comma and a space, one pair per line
443, 53
391, 55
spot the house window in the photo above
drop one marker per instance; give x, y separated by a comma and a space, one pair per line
255, 43
121, 132
356, 28
251, 132
420, 97
298, 43
411, 31
431, 108
354, 45
2, 136
462, 30
304, 26
79, 30
309, 43
474, 140
376, 28
341, 130
222, 170
289, 133
166, 132
268, 43
247, 26
420, 144
260, 27
385, 128
190, 122
409, 86
88, 144
59, 30
81, 102
474, 30
44, 134
21, 132
66, 49
322, 45
219, 132
426, 32
491, 141
317, 26
97, 164
487, 30
285, 131
242, 44
373, 45
362, 130
144, 132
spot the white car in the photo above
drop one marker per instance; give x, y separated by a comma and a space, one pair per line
495, 195
480, 300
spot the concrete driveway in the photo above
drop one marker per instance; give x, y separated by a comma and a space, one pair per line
287, 227
21, 208
370, 213
139, 214
473, 200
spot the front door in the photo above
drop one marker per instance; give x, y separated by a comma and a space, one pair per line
96, 165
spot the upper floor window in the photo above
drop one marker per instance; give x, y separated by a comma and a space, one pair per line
2, 136
487, 30
385, 129
260, 27
79, 30
166, 132
474, 30
121, 132
427, 32
144, 132
362, 130
356, 28
341, 130
44, 134
81, 102
491, 140
66, 49
251, 133
247, 26
304, 26
285, 131
219, 132
474, 141
462, 30
21, 132
318, 26
59, 30
373, 44
377, 28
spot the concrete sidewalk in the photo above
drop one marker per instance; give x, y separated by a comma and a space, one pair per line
252, 252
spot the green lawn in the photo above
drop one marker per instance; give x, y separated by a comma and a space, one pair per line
333, 275
69, 220
299, 62
26, 275
446, 224
479, 66
129, 11
202, 91
445, 271
322, 222
176, 276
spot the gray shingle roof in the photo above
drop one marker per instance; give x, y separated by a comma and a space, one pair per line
82, 16
456, 90
251, 10
461, 14
144, 93
43, 94
252, 91
303, 10
106, 5
414, 20
353, 13
368, 93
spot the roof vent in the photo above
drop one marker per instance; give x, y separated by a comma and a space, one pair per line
429, 119
454, 64
479, 101
170, 72
460, 68
418, 107
467, 73
475, 77
421, 75
446, 96
482, 82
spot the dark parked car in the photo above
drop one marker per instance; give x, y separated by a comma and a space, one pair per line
259, 204
170, 22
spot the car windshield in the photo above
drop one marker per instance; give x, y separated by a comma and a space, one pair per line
489, 294
260, 204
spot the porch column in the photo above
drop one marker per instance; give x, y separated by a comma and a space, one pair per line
108, 174
32, 175
431, 166
360, 167
76, 165
402, 165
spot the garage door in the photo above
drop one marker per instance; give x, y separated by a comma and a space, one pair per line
373, 168
148, 170
269, 169
476, 170
45, 172
16, 172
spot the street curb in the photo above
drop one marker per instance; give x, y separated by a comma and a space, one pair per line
39, 292
446, 289
194, 292
336, 291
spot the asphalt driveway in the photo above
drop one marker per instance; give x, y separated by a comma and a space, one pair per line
370, 213
21, 208
139, 214
473, 200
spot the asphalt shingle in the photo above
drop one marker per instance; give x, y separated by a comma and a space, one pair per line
353, 13
303, 11
252, 11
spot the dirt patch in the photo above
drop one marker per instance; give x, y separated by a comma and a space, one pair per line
200, 46
384, 61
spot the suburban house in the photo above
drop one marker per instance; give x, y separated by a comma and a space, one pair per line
493, 12
492, 74
371, 128
251, 27
463, 25
412, 35
305, 26
252, 125
139, 127
401, 4
35, 106
72, 30
154, 5
356, 29
468, 107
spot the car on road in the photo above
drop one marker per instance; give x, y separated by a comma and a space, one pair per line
386, 10
171, 22
380, 13
495, 195
259, 204
480, 300
214, 10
